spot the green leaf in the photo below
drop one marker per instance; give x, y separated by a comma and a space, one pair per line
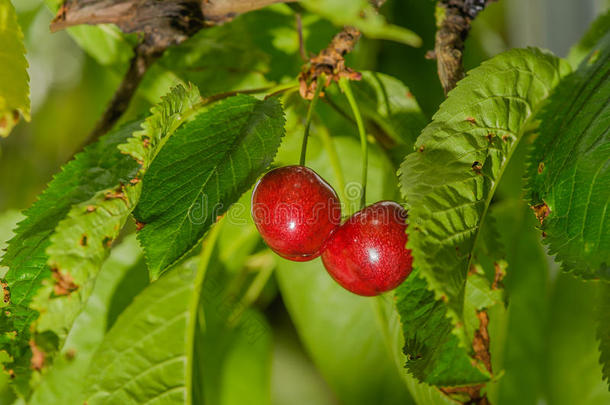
433, 352
603, 331
569, 171
147, 354
14, 86
233, 352
104, 43
434, 355
422, 393
246, 375
343, 334
66, 234
165, 117
78, 248
596, 31
201, 171
362, 15
177, 343
62, 384
295, 380
219, 59
99, 166
449, 181
81, 241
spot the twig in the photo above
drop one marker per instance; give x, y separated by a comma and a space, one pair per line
310, 110
139, 65
161, 24
345, 86
302, 50
453, 27
149, 16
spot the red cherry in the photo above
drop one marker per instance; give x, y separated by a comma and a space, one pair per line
295, 211
367, 254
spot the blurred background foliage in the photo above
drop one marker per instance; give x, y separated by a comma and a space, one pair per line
548, 348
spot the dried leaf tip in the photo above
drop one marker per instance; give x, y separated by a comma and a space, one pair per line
330, 62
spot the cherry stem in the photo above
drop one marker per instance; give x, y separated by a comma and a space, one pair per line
333, 158
312, 104
345, 86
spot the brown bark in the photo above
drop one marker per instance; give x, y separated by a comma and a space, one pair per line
452, 31
220, 11
154, 16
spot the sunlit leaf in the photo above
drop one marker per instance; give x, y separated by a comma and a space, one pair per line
180, 342
147, 354
450, 179
201, 171
99, 166
119, 275
58, 249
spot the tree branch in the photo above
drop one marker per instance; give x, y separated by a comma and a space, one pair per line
148, 16
161, 23
221, 11
453, 27
141, 61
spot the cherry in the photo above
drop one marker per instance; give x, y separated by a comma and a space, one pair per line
295, 211
367, 254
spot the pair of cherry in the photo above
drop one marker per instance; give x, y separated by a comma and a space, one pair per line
298, 214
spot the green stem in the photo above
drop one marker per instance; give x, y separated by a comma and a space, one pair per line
333, 157
282, 88
345, 86
312, 104
271, 91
